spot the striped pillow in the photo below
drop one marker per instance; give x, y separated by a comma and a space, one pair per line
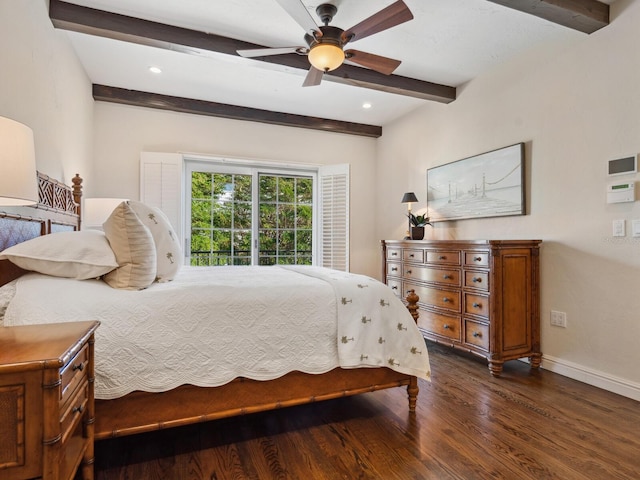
133, 246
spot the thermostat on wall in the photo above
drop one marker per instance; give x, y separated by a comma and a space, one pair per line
621, 192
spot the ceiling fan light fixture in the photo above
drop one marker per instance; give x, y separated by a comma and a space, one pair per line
326, 56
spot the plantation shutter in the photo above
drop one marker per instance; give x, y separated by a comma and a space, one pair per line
334, 216
160, 185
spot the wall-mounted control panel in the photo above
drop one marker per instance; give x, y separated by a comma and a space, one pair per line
620, 192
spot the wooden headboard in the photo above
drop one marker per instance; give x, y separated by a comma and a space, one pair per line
58, 210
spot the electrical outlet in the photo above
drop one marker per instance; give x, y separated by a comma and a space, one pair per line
558, 319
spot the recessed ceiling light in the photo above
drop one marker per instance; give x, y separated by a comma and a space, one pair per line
366, 105
155, 70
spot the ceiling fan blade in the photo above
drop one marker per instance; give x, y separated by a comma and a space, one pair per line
393, 15
378, 63
263, 52
313, 78
297, 11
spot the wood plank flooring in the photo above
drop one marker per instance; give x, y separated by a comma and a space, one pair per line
468, 425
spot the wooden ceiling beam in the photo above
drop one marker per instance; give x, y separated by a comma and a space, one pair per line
583, 15
90, 21
201, 107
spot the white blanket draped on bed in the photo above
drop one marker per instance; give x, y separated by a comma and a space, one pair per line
211, 325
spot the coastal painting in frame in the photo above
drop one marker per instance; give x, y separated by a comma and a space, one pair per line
487, 185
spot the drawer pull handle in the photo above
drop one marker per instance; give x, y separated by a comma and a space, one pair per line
447, 277
477, 259
477, 334
394, 269
80, 367
78, 409
446, 300
411, 255
476, 280
395, 287
442, 257
477, 305
408, 272
446, 327
394, 254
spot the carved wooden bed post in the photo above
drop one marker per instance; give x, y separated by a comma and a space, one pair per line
77, 197
412, 388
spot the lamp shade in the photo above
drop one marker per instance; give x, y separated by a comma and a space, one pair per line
18, 176
409, 197
97, 210
326, 56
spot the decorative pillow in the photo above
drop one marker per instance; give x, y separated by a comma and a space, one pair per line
80, 255
169, 254
134, 249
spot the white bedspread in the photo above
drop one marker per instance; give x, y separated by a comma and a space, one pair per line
211, 325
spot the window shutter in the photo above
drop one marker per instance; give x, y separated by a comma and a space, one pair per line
334, 216
160, 185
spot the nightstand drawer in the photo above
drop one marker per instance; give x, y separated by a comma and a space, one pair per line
478, 280
443, 257
442, 276
73, 373
476, 305
72, 412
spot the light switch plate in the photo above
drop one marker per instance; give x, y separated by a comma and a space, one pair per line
619, 228
635, 228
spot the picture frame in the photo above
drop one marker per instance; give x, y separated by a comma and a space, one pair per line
490, 184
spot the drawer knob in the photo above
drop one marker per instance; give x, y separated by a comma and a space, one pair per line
408, 272
446, 300
394, 254
447, 277
446, 327
411, 255
394, 269
80, 367
442, 257
78, 409
477, 259
476, 280
476, 305
395, 287
477, 334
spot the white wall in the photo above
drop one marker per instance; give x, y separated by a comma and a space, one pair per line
43, 85
122, 132
576, 106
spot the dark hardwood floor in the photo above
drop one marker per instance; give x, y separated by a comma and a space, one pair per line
468, 425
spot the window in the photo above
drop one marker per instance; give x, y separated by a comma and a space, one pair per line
244, 213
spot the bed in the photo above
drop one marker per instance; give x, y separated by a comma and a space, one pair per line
205, 390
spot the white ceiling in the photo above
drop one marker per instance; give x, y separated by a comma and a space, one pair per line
448, 42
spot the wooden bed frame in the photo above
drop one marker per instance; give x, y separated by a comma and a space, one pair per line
59, 209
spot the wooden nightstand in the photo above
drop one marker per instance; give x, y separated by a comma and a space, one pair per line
46, 401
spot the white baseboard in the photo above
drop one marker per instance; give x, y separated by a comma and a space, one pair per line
589, 376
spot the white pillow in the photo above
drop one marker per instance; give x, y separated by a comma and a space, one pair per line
169, 253
80, 255
7, 292
133, 246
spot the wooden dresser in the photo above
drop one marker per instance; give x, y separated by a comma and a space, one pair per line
46, 401
480, 296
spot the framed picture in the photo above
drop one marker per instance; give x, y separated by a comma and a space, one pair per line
487, 185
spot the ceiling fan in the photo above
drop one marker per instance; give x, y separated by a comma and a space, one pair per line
325, 44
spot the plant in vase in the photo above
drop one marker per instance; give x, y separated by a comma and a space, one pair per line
418, 222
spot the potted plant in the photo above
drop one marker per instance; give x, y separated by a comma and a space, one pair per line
418, 222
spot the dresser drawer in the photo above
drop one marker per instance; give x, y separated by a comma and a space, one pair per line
443, 257
437, 297
395, 285
439, 324
476, 259
394, 269
394, 254
73, 373
477, 334
444, 276
477, 280
476, 305
72, 412
413, 255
